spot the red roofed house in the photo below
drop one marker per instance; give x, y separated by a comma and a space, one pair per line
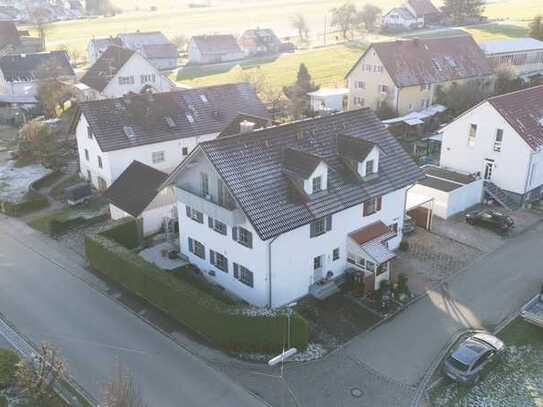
502, 140
407, 74
413, 14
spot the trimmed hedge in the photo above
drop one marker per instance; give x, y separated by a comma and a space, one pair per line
8, 367
33, 201
124, 233
229, 326
58, 227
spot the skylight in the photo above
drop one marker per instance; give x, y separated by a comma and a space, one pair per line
190, 117
169, 122
451, 62
129, 131
204, 98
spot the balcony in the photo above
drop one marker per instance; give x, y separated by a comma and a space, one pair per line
230, 216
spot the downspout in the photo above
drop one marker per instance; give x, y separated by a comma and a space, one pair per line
527, 182
270, 271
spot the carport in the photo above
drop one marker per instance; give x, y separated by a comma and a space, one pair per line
420, 208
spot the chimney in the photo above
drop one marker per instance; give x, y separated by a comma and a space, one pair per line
246, 127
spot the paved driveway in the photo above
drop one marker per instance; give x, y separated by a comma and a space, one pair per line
43, 294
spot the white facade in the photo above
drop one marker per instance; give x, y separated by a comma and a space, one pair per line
113, 163
329, 100
196, 56
283, 267
402, 18
141, 72
510, 164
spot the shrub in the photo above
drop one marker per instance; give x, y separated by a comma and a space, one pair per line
404, 246
58, 226
32, 201
124, 233
212, 315
3, 401
8, 367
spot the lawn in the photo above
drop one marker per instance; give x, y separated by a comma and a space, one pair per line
327, 66
516, 381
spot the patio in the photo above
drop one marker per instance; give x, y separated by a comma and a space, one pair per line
159, 256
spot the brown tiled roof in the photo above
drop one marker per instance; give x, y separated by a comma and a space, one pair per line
523, 110
423, 7
9, 34
370, 232
106, 67
211, 44
435, 60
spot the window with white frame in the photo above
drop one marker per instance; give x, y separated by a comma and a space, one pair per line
335, 254
317, 184
242, 236
195, 215
370, 164
185, 151
317, 263
372, 206
158, 157
383, 89
87, 155
498, 141
320, 226
217, 226
100, 162
204, 184
360, 84
472, 134
89, 132
358, 101
197, 248
126, 80
218, 260
145, 78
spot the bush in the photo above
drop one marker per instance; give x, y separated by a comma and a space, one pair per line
8, 367
47, 181
124, 233
404, 246
3, 401
210, 314
32, 201
58, 227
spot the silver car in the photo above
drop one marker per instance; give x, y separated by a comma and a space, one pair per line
471, 356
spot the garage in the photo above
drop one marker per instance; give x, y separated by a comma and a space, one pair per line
419, 209
451, 191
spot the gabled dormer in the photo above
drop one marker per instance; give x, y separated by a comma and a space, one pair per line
360, 155
307, 171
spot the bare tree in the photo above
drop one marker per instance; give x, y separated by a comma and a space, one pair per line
299, 22
39, 18
344, 18
180, 41
122, 390
36, 378
367, 18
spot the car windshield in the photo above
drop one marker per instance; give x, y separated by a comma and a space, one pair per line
457, 364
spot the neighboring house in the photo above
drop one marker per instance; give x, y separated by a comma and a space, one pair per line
20, 74
260, 41
153, 46
97, 46
502, 140
210, 49
523, 56
158, 130
407, 74
14, 41
329, 100
413, 14
285, 211
119, 71
137, 193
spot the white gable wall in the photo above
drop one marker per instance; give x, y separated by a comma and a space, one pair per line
320, 171
512, 163
136, 66
91, 145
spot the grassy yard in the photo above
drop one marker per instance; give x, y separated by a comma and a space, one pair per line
327, 66
516, 381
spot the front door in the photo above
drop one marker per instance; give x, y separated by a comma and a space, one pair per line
489, 169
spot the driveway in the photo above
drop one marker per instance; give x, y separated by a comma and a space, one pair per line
45, 293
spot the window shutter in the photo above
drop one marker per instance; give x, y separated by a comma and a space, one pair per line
379, 203
365, 211
225, 265
212, 257
210, 222
235, 233
236, 271
188, 211
190, 245
250, 240
329, 223
312, 230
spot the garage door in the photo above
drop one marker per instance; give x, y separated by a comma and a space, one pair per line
422, 217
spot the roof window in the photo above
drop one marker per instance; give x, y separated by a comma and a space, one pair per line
190, 117
129, 131
204, 98
169, 122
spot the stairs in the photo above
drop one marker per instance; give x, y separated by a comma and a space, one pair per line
500, 196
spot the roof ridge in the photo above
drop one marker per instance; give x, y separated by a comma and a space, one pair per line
497, 97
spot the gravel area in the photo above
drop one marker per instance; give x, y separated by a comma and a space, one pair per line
154, 255
14, 182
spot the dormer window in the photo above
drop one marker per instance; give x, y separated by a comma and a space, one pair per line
370, 164
317, 184
129, 131
190, 117
360, 155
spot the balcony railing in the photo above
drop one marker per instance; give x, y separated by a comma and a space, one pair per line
227, 214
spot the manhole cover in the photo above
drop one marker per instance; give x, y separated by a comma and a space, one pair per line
356, 392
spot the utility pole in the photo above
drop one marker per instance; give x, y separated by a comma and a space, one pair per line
325, 28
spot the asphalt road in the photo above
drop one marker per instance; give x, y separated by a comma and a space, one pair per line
43, 295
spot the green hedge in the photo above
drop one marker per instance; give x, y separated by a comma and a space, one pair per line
33, 201
8, 366
124, 233
220, 321
58, 227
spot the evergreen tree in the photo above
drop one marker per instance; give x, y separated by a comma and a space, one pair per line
536, 28
296, 93
458, 11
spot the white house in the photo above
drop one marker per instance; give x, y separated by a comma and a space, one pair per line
119, 71
20, 73
210, 49
137, 193
412, 14
158, 130
522, 56
502, 140
285, 211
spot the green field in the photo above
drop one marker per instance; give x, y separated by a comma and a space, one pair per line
327, 66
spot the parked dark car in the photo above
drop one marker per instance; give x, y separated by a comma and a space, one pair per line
491, 219
472, 356
77, 194
409, 225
